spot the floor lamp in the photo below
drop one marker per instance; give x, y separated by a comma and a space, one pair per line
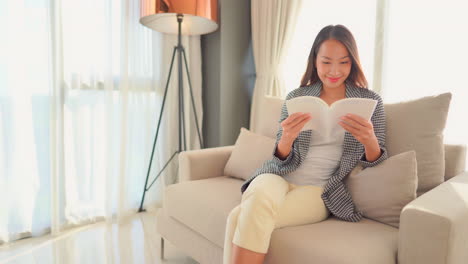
181, 17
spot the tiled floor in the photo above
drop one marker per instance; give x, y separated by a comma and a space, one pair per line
134, 241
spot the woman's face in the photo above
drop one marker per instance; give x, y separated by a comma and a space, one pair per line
333, 63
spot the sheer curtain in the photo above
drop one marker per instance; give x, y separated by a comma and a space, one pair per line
109, 108
24, 119
81, 86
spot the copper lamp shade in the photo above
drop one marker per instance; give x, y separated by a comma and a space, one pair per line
200, 16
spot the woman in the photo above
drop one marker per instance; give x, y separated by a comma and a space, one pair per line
303, 182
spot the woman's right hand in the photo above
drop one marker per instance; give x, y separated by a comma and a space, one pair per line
293, 125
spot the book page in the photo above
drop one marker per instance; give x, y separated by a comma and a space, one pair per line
313, 105
363, 107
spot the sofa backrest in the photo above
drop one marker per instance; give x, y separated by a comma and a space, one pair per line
269, 116
455, 155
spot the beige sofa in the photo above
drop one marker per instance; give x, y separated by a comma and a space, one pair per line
433, 227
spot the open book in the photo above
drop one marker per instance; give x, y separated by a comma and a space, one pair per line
325, 118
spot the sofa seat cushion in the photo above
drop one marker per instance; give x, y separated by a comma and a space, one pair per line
334, 242
204, 205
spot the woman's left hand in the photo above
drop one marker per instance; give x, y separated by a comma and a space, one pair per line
360, 128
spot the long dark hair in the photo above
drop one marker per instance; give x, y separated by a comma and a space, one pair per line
343, 35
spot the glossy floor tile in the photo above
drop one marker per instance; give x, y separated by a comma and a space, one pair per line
133, 241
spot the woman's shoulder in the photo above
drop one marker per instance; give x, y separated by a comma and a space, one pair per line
295, 93
368, 93
309, 90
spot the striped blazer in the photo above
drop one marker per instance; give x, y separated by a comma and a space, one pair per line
335, 195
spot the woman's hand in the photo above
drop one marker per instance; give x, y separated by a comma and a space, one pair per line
293, 125
360, 128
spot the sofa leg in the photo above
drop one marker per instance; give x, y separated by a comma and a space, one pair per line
162, 248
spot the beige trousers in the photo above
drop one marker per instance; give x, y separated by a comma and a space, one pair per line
271, 202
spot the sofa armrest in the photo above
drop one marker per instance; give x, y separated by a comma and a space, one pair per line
455, 157
203, 163
434, 226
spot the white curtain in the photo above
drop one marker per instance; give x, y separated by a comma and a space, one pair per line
273, 22
23, 118
81, 87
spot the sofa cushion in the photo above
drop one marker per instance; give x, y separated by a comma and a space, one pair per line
418, 125
270, 113
381, 192
250, 152
203, 205
334, 242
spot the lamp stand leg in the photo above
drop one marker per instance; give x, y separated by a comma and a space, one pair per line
162, 248
191, 95
181, 52
157, 130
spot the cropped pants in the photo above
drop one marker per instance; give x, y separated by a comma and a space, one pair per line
271, 202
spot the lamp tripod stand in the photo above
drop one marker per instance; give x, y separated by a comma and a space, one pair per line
182, 145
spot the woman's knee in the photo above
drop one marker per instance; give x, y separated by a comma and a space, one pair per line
233, 215
269, 189
267, 181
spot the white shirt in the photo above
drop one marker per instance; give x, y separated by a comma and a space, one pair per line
322, 159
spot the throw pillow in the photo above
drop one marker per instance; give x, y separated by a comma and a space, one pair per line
418, 125
251, 150
381, 192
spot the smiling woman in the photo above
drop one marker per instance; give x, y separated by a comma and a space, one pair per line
310, 163
361, 21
